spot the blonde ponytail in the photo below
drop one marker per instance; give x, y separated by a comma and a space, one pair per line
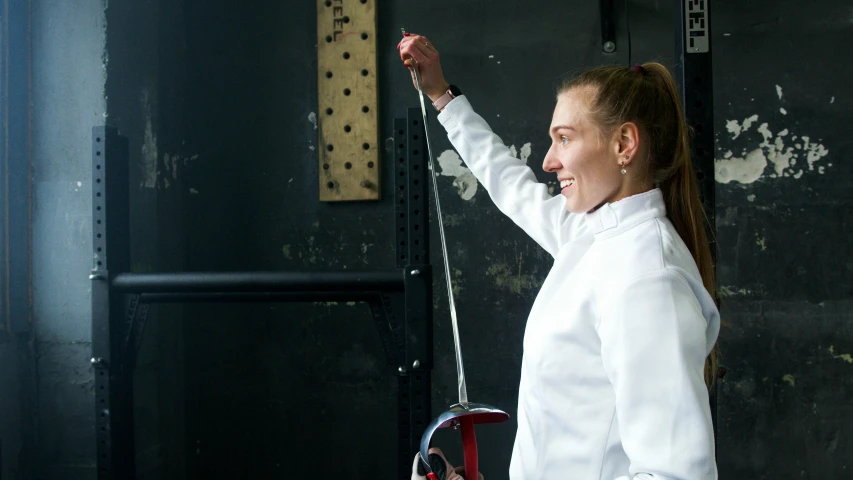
648, 96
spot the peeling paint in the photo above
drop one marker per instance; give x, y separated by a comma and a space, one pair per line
452, 166
750, 198
832, 100
844, 356
789, 378
783, 111
779, 91
525, 152
743, 170
729, 291
733, 127
514, 281
453, 220
466, 185
194, 191
458, 282
761, 242
771, 150
312, 117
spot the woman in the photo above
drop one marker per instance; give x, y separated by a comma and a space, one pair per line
619, 344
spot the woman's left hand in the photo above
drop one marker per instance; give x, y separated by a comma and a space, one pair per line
440, 467
427, 62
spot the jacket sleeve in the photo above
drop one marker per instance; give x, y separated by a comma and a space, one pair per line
510, 183
653, 347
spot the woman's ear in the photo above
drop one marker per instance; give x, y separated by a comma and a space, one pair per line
627, 142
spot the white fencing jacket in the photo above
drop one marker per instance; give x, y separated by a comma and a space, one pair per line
612, 384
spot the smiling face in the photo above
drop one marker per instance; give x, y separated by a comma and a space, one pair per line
586, 163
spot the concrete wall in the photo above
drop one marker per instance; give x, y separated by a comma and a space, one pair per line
68, 78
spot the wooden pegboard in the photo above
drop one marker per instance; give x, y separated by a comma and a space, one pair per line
347, 117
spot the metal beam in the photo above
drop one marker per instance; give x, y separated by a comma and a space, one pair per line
694, 77
258, 282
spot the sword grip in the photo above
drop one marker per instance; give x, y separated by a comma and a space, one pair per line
469, 443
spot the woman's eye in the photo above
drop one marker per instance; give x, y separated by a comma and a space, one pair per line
564, 140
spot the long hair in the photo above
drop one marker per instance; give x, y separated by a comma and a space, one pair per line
648, 97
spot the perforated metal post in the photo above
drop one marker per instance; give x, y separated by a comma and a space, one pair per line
694, 77
110, 255
412, 225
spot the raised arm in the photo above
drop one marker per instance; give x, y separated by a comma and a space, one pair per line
510, 183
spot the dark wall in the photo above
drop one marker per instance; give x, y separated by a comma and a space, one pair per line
785, 264
217, 99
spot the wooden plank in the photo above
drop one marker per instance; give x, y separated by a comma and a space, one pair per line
347, 116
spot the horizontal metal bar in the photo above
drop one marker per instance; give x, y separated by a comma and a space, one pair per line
258, 297
259, 282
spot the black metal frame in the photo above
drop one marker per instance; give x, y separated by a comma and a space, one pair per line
608, 25
694, 76
400, 299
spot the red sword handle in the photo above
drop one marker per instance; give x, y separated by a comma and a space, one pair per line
469, 443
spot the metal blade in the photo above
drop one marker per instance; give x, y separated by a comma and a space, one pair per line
460, 369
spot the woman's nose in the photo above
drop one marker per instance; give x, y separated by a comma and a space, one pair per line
551, 163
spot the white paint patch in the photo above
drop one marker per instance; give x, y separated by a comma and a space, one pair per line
451, 166
736, 129
311, 147
832, 100
491, 56
727, 34
525, 152
466, 185
844, 356
750, 198
149, 144
312, 117
766, 133
731, 291
747, 122
779, 91
450, 163
733, 127
194, 191
782, 151
79, 184
783, 111
743, 170
789, 378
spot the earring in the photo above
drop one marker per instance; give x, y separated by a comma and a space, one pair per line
624, 171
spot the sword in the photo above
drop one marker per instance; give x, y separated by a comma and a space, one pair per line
462, 414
